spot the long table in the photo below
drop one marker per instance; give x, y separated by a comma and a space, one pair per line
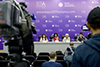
52, 46
49, 46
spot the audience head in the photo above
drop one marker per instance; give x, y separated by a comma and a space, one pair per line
81, 34
71, 44
93, 20
55, 35
53, 56
67, 35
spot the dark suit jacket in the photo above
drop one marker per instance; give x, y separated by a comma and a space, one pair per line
51, 64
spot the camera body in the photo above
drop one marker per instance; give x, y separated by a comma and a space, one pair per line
9, 19
16, 27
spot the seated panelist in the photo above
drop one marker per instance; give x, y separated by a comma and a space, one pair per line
56, 38
43, 38
66, 38
80, 38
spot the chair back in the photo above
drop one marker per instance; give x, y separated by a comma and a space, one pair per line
23, 63
38, 63
59, 53
4, 63
64, 64
60, 57
35, 55
30, 58
4, 55
43, 53
43, 57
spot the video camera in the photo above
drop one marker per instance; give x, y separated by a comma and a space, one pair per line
16, 27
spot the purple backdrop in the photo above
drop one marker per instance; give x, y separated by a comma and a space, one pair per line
60, 16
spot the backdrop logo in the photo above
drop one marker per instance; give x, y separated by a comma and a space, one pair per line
78, 16
60, 21
90, 7
66, 25
77, 25
60, 30
38, 30
43, 16
68, 29
83, 11
66, 16
72, 30
48, 21
56, 16
60, 4
53, 16
53, 25
40, 4
95, 2
48, 30
37, 21
83, 2
71, 21
44, 25
43, 4
56, 25
68, 4
84, 21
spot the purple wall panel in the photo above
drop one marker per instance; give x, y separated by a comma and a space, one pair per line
60, 16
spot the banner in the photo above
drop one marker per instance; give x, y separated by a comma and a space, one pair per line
59, 16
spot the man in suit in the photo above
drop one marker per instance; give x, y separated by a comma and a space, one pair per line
51, 62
